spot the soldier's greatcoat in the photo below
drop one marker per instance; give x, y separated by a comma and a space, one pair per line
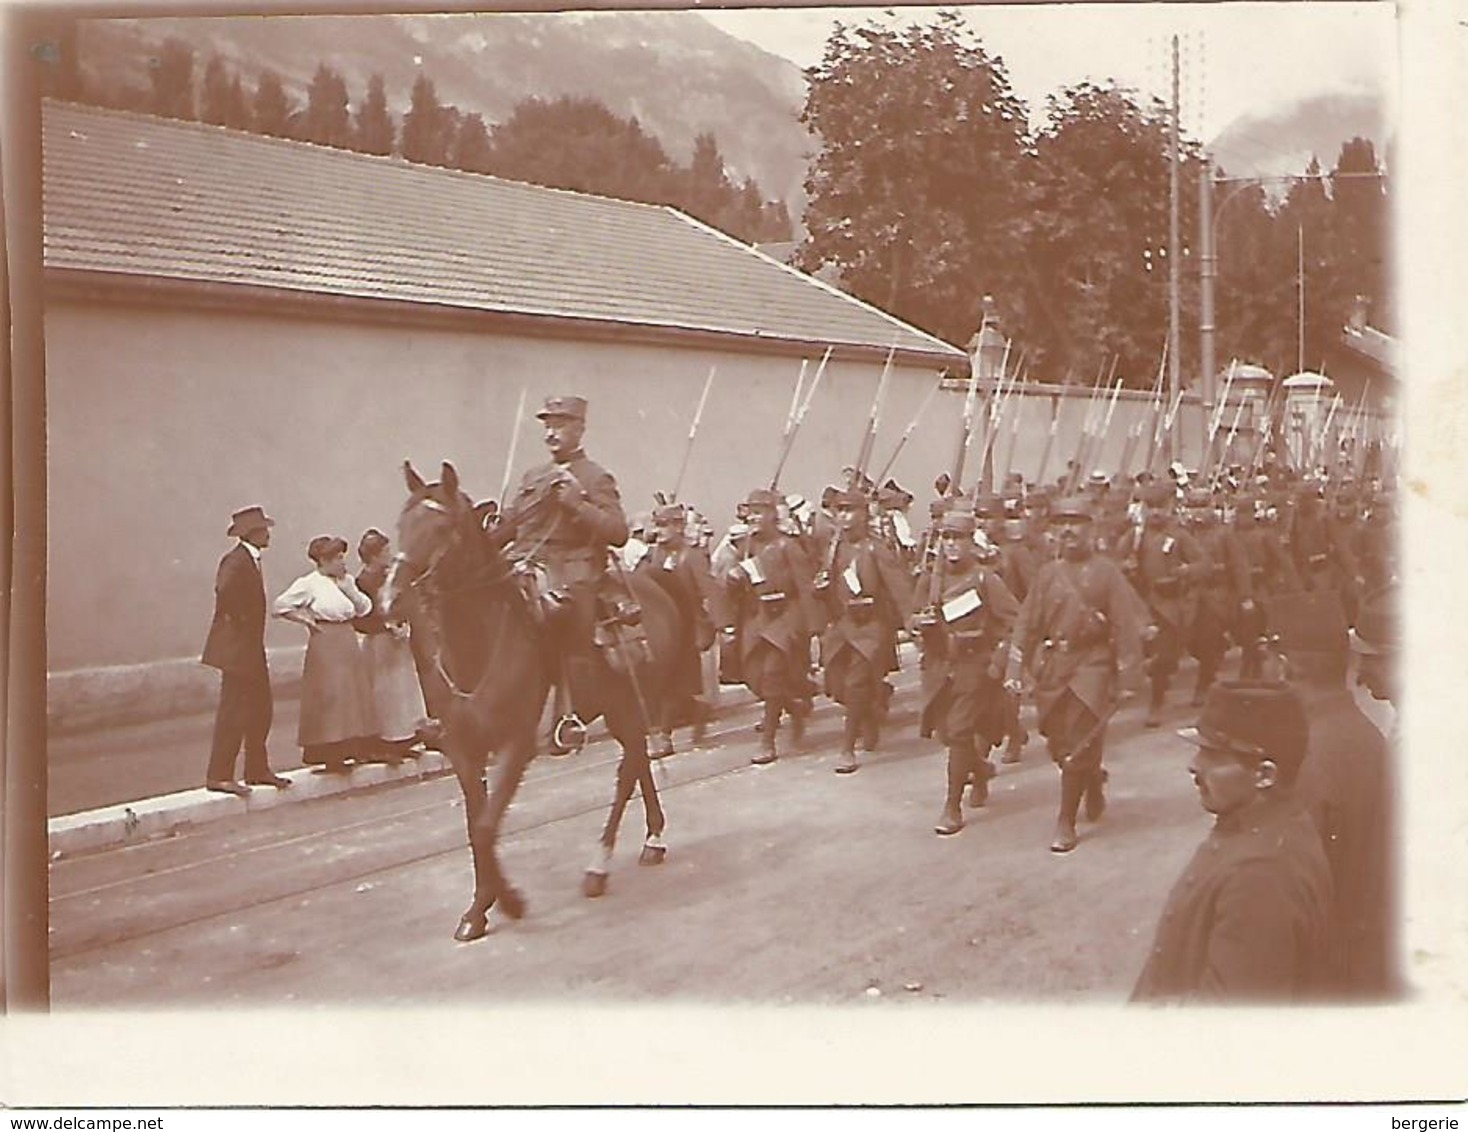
1247, 920
1079, 626
962, 668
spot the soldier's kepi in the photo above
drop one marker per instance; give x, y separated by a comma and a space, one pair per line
563, 520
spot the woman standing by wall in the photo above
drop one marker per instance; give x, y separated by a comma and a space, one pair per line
336, 709
397, 709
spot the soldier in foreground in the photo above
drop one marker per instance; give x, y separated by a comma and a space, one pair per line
1248, 919
1347, 785
962, 633
1079, 634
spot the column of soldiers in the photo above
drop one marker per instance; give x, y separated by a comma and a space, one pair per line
1077, 597
1073, 599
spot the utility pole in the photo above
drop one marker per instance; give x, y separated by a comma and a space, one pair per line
1206, 325
1300, 270
1174, 267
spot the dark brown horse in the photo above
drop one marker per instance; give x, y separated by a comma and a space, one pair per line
494, 656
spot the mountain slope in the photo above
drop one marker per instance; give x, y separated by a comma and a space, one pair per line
1284, 141
675, 72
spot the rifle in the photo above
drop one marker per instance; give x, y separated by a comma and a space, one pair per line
868, 442
1049, 440
859, 471
901, 443
514, 443
792, 426
1087, 424
995, 409
1019, 406
1134, 434
966, 435
693, 431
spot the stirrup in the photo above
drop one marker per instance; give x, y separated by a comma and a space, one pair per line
569, 733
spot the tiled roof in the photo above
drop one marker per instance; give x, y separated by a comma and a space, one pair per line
141, 196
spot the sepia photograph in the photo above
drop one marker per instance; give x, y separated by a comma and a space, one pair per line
805, 555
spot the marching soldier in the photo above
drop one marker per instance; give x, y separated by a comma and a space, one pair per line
683, 570
1160, 559
772, 615
1016, 564
1343, 536
1080, 634
962, 631
867, 595
1222, 576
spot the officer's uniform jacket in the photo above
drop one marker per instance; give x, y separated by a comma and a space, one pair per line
570, 538
1247, 920
769, 597
1079, 626
868, 596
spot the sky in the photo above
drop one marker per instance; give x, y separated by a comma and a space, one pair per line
1236, 59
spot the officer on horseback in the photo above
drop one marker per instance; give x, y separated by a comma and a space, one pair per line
564, 519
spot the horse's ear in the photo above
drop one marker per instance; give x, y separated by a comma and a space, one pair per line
414, 480
449, 478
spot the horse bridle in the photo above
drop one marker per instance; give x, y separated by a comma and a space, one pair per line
425, 579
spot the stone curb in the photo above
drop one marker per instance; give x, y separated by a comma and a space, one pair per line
131, 823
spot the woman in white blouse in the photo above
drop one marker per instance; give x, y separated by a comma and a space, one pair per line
336, 707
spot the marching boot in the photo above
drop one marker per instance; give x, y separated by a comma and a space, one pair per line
1072, 785
1206, 674
1096, 795
951, 819
872, 728
769, 725
1154, 704
983, 770
850, 737
799, 712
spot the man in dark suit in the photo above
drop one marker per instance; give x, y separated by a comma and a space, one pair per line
236, 646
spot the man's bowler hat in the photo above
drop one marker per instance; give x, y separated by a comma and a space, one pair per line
248, 519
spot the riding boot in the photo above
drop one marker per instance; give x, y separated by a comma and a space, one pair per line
1072, 786
851, 734
951, 820
1154, 704
769, 725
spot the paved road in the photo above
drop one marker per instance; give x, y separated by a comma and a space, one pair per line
785, 884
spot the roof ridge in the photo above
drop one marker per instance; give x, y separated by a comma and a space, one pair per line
898, 326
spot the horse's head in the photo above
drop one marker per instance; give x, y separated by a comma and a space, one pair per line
429, 525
